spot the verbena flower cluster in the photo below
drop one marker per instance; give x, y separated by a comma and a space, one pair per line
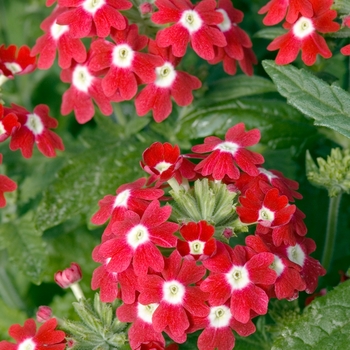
171, 264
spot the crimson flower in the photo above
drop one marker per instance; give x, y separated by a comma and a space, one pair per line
141, 330
218, 326
57, 37
8, 124
169, 82
27, 337
304, 35
176, 298
137, 238
12, 63
277, 9
85, 87
131, 196
226, 153
199, 243
236, 276
269, 210
35, 128
87, 15
346, 49
127, 67
6, 185
193, 23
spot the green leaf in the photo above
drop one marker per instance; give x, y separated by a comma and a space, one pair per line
270, 33
280, 125
87, 178
328, 105
238, 86
25, 247
324, 325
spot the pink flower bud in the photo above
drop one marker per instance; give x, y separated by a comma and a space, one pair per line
146, 8
43, 314
68, 276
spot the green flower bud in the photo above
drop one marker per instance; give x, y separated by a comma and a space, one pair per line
332, 174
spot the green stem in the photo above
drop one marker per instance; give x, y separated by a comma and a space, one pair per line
119, 115
331, 232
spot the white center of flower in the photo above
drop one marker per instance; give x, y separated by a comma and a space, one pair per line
34, 124
137, 235
166, 75
93, 5
122, 199
27, 344
196, 247
219, 316
163, 166
238, 277
226, 24
191, 20
122, 56
82, 79
13, 67
269, 175
2, 128
145, 312
173, 292
266, 216
229, 147
277, 265
296, 254
303, 27
57, 30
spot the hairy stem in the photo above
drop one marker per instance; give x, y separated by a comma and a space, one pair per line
332, 222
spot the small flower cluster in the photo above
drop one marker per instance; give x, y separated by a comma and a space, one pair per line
24, 128
305, 20
116, 64
177, 268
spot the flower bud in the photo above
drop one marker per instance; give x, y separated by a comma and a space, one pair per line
68, 276
43, 314
146, 8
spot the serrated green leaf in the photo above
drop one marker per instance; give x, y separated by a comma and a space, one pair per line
324, 325
269, 33
25, 247
329, 105
86, 179
281, 126
238, 86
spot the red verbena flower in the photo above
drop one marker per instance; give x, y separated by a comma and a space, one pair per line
127, 67
97, 15
131, 196
226, 153
176, 298
199, 243
277, 9
137, 238
6, 185
268, 210
346, 49
193, 23
35, 128
85, 87
12, 63
169, 83
27, 337
304, 35
236, 276
57, 37
8, 124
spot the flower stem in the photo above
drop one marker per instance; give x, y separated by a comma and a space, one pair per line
77, 291
331, 232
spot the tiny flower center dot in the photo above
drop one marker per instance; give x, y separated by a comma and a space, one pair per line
229, 147
219, 316
137, 235
266, 216
82, 79
238, 277
166, 75
303, 27
27, 344
123, 56
196, 247
191, 20
34, 124
173, 292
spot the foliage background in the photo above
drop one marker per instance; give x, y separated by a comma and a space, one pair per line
46, 226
